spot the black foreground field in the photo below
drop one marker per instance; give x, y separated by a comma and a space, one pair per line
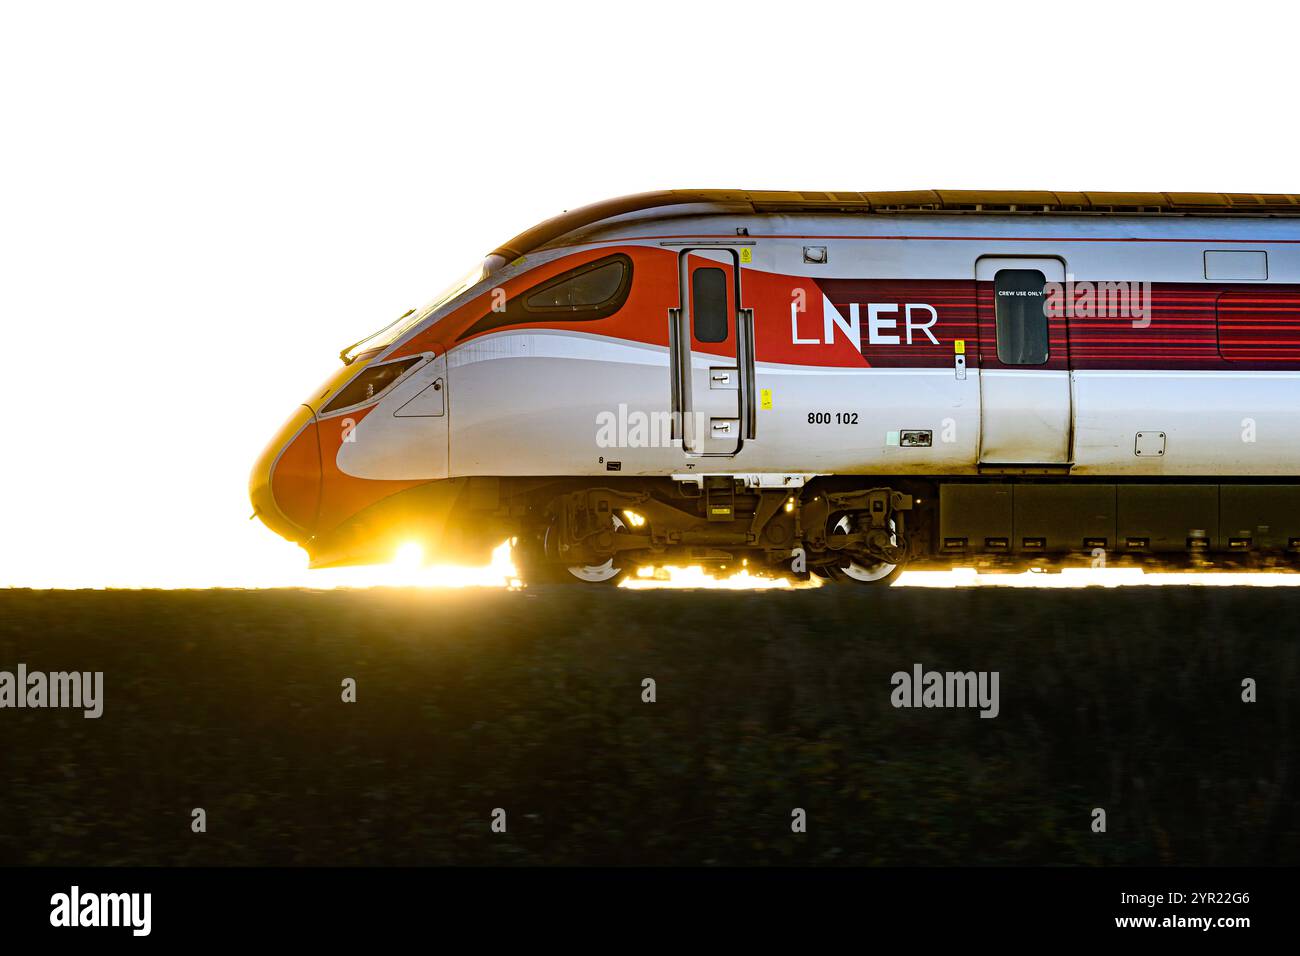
1128, 700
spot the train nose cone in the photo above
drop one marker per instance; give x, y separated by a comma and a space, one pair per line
285, 483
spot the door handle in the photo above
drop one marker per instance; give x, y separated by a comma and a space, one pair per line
675, 374
747, 358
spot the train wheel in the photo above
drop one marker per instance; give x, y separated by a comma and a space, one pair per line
607, 572
536, 569
855, 572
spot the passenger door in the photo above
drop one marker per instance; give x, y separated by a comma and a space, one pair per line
1026, 406
711, 354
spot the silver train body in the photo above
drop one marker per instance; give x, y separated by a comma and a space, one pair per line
831, 384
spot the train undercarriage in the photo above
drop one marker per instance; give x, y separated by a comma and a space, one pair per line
868, 529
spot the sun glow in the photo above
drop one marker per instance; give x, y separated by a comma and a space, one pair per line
256, 559
697, 577
408, 569
1095, 577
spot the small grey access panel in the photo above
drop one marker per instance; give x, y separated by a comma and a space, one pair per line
1241, 265
1149, 444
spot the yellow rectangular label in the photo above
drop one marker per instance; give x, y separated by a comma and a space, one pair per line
746, 255
765, 399
959, 347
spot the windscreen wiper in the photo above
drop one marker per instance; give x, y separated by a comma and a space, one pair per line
374, 335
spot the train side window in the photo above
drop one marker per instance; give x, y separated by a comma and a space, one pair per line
709, 305
1021, 316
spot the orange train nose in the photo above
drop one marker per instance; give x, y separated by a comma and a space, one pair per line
285, 483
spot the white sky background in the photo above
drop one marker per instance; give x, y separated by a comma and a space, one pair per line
200, 204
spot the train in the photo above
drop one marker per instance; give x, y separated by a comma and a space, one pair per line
830, 384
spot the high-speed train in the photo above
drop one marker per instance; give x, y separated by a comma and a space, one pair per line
839, 384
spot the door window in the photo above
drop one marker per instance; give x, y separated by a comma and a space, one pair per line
709, 305
1021, 315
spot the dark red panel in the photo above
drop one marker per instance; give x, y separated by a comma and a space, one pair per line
1260, 326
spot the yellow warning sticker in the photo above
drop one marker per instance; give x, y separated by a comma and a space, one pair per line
959, 347
746, 255
765, 399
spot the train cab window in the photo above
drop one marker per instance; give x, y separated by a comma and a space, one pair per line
709, 305
593, 290
370, 383
586, 287
1021, 316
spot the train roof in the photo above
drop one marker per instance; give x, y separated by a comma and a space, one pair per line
924, 201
